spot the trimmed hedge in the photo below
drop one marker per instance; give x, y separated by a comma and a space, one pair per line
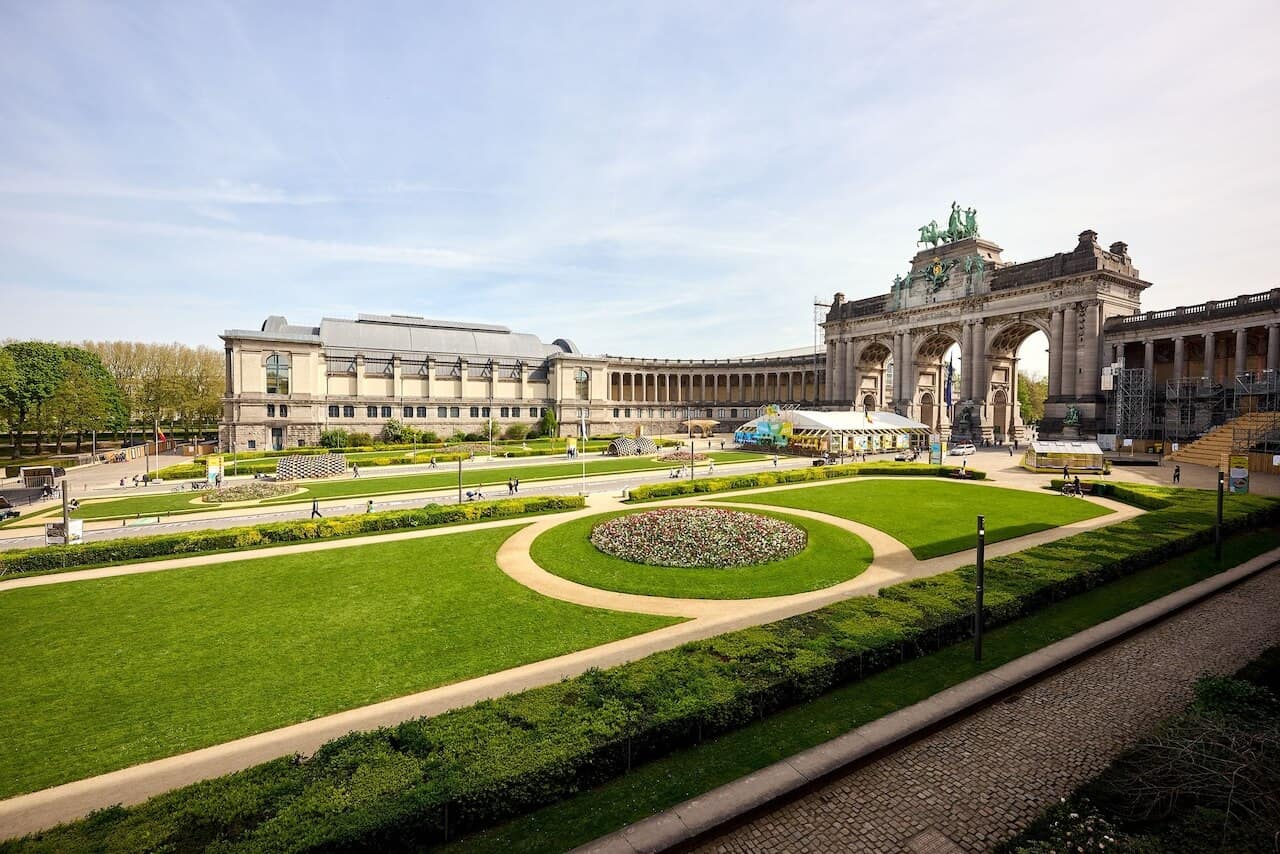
127, 549
774, 478
428, 779
183, 471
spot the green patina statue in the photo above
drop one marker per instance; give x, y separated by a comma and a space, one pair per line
961, 223
974, 262
1072, 418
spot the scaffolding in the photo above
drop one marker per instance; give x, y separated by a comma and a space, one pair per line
1195, 405
1258, 394
1133, 402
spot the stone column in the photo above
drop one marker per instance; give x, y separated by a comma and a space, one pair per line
1088, 378
1178, 356
1149, 360
1055, 353
1209, 355
828, 382
1070, 345
1242, 349
851, 369
1273, 347
981, 376
909, 373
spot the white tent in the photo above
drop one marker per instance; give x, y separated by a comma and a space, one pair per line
834, 432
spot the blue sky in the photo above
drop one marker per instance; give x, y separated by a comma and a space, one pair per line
647, 179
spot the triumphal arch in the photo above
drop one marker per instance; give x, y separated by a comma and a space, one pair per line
887, 351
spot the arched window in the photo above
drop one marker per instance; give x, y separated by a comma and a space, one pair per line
581, 385
277, 375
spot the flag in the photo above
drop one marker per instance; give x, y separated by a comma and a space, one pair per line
946, 394
162, 438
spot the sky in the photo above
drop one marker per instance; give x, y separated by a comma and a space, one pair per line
652, 179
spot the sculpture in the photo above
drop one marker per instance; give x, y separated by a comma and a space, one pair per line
929, 233
974, 262
955, 223
962, 223
971, 222
1072, 418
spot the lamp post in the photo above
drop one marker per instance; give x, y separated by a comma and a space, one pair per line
689, 421
977, 616
1217, 524
582, 429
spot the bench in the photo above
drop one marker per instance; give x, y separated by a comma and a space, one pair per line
960, 474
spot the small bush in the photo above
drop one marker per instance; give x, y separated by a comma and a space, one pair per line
336, 438
183, 471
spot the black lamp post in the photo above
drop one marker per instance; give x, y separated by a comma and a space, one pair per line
977, 616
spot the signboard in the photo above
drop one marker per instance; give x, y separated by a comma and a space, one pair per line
214, 469
1173, 448
1238, 473
54, 535
936, 451
1128, 443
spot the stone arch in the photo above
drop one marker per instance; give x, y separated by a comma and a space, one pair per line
928, 410
1001, 417
871, 362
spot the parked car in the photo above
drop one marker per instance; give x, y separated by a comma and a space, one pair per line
907, 456
962, 449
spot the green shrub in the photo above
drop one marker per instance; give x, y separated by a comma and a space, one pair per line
748, 481
129, 549
183, 471
335, 438
400, 787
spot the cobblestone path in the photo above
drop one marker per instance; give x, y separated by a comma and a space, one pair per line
986, 777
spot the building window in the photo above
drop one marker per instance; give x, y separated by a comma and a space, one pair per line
386, 412
277, 375
348, 412
626, 413
422, 412
515, 412
616, 410
733, 413
475, 412
284, 410
721, 413
333, 412
271, 410
443, 412
455, 412
371, 412
253, 444
484, 410
581, 384
504, 412
302, 443
408, 412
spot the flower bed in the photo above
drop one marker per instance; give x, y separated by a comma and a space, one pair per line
680, 457
248, 492
698, 536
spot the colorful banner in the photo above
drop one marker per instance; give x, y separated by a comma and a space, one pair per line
1238, 473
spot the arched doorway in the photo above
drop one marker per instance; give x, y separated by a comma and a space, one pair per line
873, 377
928, 411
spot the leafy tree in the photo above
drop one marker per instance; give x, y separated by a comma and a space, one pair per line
515, 431
39, 366
1033, 389
396, 431
547, 424
335, 438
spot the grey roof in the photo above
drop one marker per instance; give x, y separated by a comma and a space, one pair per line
406, 335
1069, 446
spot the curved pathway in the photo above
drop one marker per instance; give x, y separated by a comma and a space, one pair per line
705, 618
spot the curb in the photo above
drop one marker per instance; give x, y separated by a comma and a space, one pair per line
702, 816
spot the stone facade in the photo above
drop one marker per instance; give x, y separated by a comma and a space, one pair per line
965, 293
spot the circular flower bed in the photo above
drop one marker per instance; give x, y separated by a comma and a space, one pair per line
247, 492
680, 457
698, 537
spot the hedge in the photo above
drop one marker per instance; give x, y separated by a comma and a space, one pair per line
428, 779
183, 471
129, 549
749, 481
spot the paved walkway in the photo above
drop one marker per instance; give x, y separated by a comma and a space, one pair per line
983, 779
707, 618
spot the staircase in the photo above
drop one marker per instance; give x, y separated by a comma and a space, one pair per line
1213, 448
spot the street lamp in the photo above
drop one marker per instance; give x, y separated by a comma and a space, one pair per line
689, 421
977, 616
582, 416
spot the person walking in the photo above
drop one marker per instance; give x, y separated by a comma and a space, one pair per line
1177, 474
775, 460
369, 509
1066, 475
517, 486
511, 486
1076, 484
1011, 450
315, 507
711, 467
433, 463
355, 470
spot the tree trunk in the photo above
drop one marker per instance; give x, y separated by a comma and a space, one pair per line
79, 440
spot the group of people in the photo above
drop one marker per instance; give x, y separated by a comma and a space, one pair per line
513, 485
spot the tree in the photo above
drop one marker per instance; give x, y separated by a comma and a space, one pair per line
547, 424
39, 367
515, 431
1033, 389
87, 399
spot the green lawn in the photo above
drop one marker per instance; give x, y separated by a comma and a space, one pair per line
674, 778
100, 675
163, 501
831, 556
934, 517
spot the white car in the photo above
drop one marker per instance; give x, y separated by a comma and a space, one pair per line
962, 449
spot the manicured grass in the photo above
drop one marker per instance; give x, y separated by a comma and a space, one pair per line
181, 502
832, 556
934, 517
668, 781
104, 674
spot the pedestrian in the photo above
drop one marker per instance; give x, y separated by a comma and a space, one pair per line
722, 444
369, 509
433, 463
711, 467
315, 507
1177, 474
1076, 483
511, 486
1066, 475
1011, 450
122, 481
217, 480
775, 460
964, 464
517, 486
355, 469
